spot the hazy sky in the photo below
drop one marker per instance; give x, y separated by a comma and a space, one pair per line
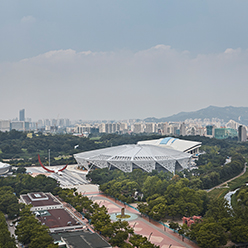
120, 59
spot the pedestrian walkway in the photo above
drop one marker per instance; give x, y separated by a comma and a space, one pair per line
155, 232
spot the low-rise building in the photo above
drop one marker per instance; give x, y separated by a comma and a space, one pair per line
51, 212
223, 133
80, 239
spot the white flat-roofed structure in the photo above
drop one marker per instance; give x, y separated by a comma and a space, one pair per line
4, 168
188, 146
41, 201
129, 157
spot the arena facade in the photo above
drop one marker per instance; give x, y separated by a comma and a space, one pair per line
128, 157
4, 168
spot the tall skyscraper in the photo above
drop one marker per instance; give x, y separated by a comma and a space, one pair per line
242, 134
22, 115
183, 129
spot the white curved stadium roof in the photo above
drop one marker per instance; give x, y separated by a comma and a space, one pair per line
4, 168
129, 157
174, 143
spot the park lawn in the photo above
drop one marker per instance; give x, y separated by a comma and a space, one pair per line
218, 192
62, 157
95, 138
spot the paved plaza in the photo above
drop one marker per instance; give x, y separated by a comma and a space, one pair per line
69, 177
155, 232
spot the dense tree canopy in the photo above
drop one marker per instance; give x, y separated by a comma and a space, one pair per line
8, 202
5, 240
30, 231
23, 183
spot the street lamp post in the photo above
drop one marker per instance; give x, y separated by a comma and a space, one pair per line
49, 157
149, 236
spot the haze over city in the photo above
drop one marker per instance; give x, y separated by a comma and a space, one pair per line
121, 59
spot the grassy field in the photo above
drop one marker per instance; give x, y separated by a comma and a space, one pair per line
95, 138
218, 192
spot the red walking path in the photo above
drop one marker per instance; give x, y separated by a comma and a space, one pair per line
155, 232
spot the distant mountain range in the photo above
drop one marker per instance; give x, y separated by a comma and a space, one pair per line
238, 114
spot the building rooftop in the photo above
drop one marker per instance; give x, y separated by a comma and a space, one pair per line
40, 199
80, 239
173, 143
128, 157
56, 218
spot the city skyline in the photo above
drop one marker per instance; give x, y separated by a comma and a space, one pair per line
223, 114
121, 60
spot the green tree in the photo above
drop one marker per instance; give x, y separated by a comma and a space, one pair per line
120, 233
5, 240
174, 225
30, 232
183, 230
139, 241
239, 233
218, 209
100, 218
211, 235
8, 202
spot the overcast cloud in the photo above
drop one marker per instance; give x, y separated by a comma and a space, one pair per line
159, 81
121, 59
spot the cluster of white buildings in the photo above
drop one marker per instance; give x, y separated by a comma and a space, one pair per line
25, 124
206, 127
188, 127
203, 127
40, 125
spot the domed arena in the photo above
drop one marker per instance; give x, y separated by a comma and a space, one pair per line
130, 157
4, 168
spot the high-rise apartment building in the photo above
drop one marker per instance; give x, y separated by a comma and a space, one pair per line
22, 115
20, 125
138, 128
223, 133
242, 133
164, 128
183, 129
123, 127
5, 125
102, 128
210, 131
150, 128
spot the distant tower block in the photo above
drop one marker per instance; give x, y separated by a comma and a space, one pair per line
22, 115
242, 133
